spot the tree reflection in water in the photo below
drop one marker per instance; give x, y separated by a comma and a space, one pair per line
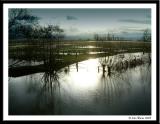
112, 87
145, 77
47, 97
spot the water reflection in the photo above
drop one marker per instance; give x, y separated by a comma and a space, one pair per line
85, 75
113, 86
83, 89
46, 99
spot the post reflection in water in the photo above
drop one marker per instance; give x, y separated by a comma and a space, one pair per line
83, 92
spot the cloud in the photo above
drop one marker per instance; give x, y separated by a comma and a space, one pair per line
71, 29
125, 30
134, 29
54, 17
136, 21
71, 18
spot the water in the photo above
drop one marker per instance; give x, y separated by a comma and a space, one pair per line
80, 89
96, 52
89, 46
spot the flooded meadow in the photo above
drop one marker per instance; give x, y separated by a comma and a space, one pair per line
113, 85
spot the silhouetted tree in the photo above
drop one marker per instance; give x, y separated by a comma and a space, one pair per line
20, 23
146, 36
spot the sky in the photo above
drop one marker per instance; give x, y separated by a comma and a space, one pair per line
86, 22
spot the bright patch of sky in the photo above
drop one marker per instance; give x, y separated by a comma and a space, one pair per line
90, 21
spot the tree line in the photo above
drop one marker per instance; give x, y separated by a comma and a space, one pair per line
146, 37
107, 37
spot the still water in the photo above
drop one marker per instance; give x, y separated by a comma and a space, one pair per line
82, 90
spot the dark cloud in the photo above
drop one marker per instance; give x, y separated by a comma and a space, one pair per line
124, 32
136, 21
71, 18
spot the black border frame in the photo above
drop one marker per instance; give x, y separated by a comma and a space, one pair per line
90, 2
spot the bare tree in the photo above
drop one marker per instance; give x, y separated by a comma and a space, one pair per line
21, 23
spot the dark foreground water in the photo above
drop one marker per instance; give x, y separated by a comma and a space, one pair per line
82, 90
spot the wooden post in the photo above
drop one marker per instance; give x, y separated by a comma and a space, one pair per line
109, 71
103, 67
77, 66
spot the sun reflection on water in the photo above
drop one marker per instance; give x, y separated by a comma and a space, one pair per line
86, 77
